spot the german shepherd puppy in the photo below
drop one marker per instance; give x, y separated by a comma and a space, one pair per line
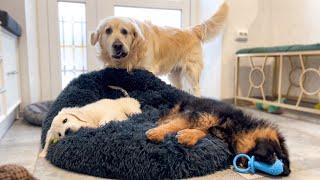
194, 118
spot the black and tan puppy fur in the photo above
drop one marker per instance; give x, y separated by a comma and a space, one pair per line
193, 119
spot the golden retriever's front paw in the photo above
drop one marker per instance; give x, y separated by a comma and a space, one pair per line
155, 134
189, 137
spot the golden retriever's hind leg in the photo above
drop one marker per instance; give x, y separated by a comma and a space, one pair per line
191, 76
158, 133
189, 137
175, 78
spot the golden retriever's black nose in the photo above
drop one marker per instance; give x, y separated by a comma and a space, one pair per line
117, 46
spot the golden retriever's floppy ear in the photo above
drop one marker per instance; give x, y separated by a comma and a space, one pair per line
94, 37
137, 32
138, 48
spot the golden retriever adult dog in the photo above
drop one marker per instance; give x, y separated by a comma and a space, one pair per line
128, 43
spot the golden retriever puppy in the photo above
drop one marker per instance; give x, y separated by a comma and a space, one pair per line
127, 43
92, 115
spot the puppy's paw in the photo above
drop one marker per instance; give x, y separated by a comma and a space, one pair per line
133, 113
43, 154
189, 137
103, 123
138, 111
155, 134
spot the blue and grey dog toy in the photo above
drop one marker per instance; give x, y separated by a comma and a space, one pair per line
274, 169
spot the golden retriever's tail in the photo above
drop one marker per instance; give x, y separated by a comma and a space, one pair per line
211, 27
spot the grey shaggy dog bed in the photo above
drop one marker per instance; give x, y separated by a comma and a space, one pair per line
35, 113
120, 149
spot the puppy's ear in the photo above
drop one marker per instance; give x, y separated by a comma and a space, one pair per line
94, 37
49, 138
77, 113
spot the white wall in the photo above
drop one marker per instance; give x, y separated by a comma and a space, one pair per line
219, 55
211, 75
295, 21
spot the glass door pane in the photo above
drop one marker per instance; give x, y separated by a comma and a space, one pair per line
160, 17
73, 46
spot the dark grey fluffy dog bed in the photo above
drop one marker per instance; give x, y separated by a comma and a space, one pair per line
35, 113
120, 149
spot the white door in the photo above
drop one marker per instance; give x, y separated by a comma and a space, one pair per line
71, 22
69, 53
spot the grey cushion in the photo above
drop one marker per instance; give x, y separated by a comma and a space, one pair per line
37, 112
9, 23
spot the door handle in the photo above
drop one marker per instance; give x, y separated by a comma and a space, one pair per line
12, 73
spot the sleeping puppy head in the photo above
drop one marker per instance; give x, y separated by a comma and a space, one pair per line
268, 151
68, 120
118, 39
